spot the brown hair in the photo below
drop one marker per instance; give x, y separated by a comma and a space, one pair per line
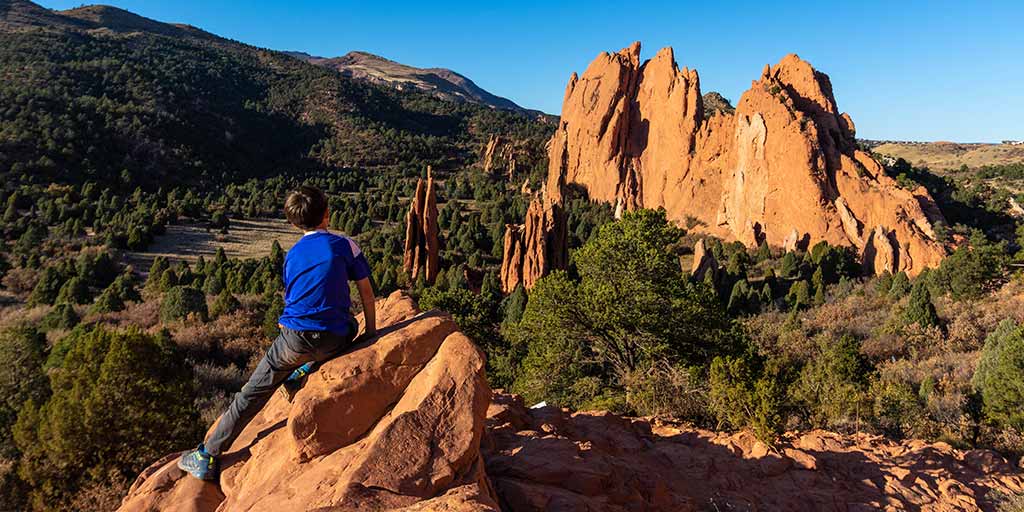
305, 207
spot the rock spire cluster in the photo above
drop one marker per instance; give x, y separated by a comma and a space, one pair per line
537, 246
421, 233
785, 161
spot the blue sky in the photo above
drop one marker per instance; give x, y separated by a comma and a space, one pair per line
912, 70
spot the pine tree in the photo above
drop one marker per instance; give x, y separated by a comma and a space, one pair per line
225, 304
790, 265
47, 288
818, 282
920, 309
74, 291
900, 286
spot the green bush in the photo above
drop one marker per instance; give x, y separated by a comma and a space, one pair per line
972, 270
121, 400
62, 316
47, 288
21, 378
830, 387
275, 308
897, 410
226, 303
900, 286
74, 291
1000, 375
747, 392
474, 314
181, 301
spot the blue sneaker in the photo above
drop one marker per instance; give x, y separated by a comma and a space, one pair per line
293, 384
199, 464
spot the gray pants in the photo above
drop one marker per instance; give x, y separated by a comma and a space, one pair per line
289, 351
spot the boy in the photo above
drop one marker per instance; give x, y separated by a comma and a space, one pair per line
316, 324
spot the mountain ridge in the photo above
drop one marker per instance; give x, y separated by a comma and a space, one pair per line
443, 83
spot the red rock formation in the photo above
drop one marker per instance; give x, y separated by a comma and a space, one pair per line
536, 247
785, 162
421, 232
547, 459
500, 155
396, 423
703, 263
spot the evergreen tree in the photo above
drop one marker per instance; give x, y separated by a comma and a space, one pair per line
181, 301
790, 265
47, 288
920, 309
74, 291
900, 286
120, 400
818, 282
799, 294
225, 304
62, 316
273, 315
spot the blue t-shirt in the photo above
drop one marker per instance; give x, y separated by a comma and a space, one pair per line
317, 270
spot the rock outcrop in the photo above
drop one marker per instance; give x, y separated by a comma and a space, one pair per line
500, 157
704, 263
408, 423
536, 247
785, 161
391, 424
547, 459
421, 233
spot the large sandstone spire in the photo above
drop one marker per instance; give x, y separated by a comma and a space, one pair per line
786, 161
421, 244
536, 247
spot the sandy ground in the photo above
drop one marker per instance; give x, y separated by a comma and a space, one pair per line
247, 238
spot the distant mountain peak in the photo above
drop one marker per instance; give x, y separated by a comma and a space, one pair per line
23, 14
440, 82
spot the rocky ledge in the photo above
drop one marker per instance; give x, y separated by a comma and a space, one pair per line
409, 423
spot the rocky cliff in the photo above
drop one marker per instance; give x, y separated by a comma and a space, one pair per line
784, 161
536, 247
421, 233
408, 423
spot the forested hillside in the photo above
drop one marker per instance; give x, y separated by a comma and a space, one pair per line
100, 94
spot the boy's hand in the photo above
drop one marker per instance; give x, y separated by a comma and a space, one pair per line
366, 296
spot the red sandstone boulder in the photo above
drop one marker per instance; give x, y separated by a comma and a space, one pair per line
391, 424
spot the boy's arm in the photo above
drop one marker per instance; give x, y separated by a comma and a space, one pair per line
369, 306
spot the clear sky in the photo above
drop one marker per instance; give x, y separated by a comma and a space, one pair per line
910, 70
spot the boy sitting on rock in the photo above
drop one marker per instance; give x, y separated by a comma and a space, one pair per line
316, 324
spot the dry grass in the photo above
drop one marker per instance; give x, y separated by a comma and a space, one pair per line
939, 156
247, 238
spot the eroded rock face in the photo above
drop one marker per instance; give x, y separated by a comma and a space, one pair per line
547, 459
536, 247
704, 263
500, 157
421, 233
396, 423
785, 161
